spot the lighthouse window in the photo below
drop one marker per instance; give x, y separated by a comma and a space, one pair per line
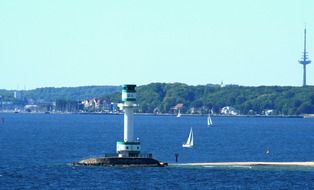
138, 148
127, 147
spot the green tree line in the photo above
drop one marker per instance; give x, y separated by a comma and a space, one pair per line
248, 100
162, 97
62, 93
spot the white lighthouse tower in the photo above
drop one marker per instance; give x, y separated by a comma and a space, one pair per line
128, 150
129, 147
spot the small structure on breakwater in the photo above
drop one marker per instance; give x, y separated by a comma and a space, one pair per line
128, 150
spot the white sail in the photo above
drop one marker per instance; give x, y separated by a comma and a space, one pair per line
209, 121
190, 142
179, 114
192, 138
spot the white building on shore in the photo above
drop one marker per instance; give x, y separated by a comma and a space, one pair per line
228, 110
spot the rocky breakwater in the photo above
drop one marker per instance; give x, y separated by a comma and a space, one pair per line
117, 161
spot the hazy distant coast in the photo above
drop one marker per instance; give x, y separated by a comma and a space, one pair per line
166, 98
165, 114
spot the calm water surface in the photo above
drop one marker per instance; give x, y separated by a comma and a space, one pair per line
36, 149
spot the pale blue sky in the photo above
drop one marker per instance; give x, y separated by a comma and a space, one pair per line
75, 43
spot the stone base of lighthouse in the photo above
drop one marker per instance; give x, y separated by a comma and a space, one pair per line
128, 154
117, 161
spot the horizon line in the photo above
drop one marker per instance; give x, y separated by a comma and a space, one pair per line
111, 85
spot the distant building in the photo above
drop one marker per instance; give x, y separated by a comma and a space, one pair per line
193, 110
269, 112
251, 112
18, 95
31, 108
7, 105
106, 106
114, 107
99, 106
178, 106
92, 104
228, 110
109, 107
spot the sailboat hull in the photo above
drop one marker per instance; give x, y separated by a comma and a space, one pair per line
187, 146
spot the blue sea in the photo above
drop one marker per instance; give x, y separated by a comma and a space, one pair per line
36, 152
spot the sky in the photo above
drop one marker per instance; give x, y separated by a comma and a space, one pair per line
59, 43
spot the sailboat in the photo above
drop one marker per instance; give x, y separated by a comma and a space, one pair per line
209, 121
179, 114
189, 143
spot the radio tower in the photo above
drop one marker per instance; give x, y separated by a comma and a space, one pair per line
304, 60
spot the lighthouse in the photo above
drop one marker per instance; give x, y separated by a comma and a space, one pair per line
129, 147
